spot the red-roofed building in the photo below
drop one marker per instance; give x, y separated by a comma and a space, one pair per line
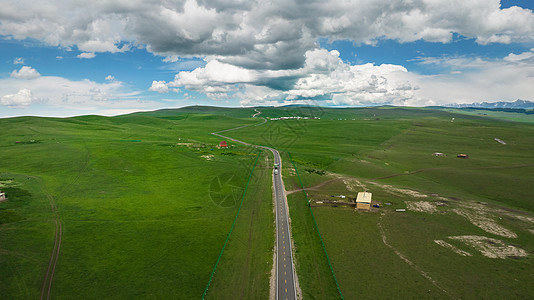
223, 144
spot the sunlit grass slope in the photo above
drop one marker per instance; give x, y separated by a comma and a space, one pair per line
143, 213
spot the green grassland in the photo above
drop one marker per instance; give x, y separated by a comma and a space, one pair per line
516, 115
146, 201
390, 149
245, 268
143, 213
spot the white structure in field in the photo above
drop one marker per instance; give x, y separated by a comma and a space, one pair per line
363, 201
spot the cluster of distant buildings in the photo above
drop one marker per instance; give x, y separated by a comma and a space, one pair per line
294, 118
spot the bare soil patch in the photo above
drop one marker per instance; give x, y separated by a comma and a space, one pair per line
490, 247
352, 184
397, 191
479, 218
409, 262
208, 157
453, 248
422, 206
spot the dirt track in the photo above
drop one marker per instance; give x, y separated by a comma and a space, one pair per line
409, 262
313, 188
49, 276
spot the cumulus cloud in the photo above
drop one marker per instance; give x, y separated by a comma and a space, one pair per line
327, 76
256, 34
110, 78
64, 93
18, 100
18, 61
520, 57
159, 86
86, 55
25, 73
269, 48
324, 77
478, 79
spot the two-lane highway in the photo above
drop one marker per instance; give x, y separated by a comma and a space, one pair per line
285, 285
285, 274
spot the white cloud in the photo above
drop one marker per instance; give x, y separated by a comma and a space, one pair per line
326, 79
64, 93
25, 73
324, 76
520, 57
21, 99
18, 61
343, 84
477, 79
159, 86
110, 78
256, 34
267, 50
86, 55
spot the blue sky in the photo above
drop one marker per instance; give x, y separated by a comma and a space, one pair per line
117, 57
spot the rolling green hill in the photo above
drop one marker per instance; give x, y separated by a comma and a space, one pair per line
146, 200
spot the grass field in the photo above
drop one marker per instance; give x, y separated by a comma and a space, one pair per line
146, 202
245, 268
143, 213
389, 151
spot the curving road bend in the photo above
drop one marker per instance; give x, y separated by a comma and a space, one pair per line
285, 271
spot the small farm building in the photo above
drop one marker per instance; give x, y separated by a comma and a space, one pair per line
462, 156
2, 196
223, 144
439, 154
363, 200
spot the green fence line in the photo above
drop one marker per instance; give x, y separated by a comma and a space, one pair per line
232, 228
316, 227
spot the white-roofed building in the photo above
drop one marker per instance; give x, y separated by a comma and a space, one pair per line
363, 201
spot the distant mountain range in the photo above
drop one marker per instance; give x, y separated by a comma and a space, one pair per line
518, 104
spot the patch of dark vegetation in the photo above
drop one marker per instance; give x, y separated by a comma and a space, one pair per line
9, 216
307, 163
14, 193
194, 208
234, 153
318, 172
512, 110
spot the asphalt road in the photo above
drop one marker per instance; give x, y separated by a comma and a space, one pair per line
285, 280
285, 275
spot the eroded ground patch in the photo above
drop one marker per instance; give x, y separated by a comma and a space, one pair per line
491, 247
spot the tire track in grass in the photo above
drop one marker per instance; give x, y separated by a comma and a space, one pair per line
49, 276
409, 262
54, 256
52, 262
